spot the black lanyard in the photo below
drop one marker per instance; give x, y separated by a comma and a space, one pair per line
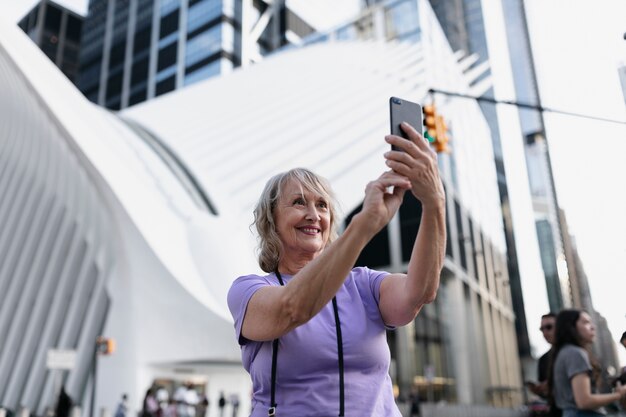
272, 410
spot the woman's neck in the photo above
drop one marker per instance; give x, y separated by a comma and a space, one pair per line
291, 265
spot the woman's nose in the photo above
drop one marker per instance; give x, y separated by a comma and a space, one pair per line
312, 213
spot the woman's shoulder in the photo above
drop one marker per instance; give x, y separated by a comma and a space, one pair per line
570, 348
254, 278
572, 351
366, 280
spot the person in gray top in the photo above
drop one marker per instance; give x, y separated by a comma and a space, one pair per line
572, 373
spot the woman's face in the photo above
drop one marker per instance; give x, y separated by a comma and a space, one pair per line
585, 328
302, 221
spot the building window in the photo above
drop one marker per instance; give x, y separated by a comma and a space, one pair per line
141, 40
166, 73
430, 351
138, 96
117, 53
139, 71
50, 45
401, 19
169, 5
207, 71
114, 86
486, 250
89, 77
144, 13
166, 85
361, 29
376, 253
203, 45
92, 95
410, 217
461, 236
114, 103
169, 24
202, 12
472, 246
52, 20
167, 56
72, 30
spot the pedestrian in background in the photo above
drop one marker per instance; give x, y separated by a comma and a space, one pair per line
574, 373
622, 377
191, 399
540, 388
150, 406
203, 406
286, 317
122, 407
221, 403
547, 328
234, 402
64, 404
170, 409
163, 398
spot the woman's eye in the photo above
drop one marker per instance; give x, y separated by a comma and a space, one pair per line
298, 202
322, 204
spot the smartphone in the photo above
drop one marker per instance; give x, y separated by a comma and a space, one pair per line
401, 110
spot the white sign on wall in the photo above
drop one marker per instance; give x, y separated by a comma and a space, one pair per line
60, 359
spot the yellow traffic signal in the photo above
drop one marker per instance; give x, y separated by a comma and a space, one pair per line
430, 122
105, 346
441, 137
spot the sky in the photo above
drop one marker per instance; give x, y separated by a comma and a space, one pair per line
577, 46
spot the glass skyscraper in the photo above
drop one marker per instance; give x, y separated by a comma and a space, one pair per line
134, 50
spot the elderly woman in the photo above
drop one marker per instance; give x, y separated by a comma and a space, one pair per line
573, 374
308, 356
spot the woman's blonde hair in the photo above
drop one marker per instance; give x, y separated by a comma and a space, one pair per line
270, 246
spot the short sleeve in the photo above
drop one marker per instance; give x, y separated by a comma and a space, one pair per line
577, 362
238, 297
368, 282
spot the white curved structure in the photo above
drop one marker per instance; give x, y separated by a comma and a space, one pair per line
100, 237
133, 226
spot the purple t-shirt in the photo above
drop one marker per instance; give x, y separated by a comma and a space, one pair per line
307, 381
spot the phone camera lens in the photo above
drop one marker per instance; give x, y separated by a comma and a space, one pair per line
397, 101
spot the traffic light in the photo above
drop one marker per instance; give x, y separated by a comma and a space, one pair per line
441, 139
430, 117
105, 346
436, 130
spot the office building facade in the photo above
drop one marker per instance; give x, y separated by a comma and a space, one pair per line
56, 30
135, 50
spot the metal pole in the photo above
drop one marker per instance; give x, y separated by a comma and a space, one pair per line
94, 369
